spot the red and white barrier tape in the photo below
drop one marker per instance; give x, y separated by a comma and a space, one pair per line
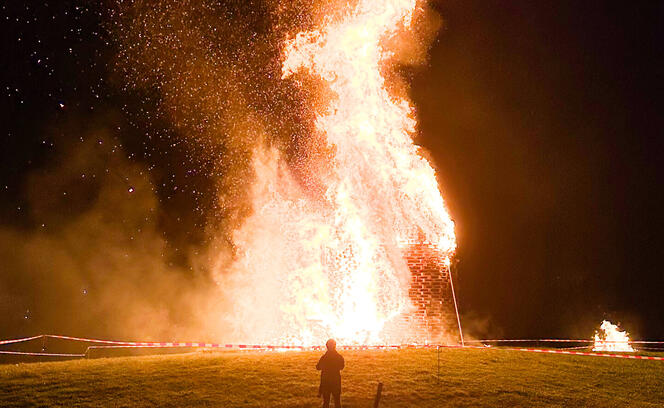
213, 345
567, 351
23, 353
12, 341
585, 353
559, 341
575, 348
173, 344
135, 344
225, 346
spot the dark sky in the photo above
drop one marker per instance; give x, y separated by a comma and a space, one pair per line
542, 118
544, 121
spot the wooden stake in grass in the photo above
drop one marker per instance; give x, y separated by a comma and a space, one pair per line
379, 391
438, 367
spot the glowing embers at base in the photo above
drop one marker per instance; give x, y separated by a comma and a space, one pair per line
611, 339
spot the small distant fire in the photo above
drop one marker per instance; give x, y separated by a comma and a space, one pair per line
611, 339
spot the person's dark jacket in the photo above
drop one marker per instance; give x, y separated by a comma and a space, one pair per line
330, 364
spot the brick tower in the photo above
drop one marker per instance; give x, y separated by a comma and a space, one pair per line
433, 319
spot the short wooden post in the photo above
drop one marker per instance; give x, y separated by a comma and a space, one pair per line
438, 370
379, 391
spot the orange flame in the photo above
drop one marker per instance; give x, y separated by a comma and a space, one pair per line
611, 339
312, 267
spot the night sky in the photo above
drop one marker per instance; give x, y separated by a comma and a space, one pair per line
542, 119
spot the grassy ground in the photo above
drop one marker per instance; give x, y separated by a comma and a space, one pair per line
469, 378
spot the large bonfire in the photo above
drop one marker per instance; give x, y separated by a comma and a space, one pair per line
326, 258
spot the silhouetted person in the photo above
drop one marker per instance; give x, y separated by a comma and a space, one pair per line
330, 365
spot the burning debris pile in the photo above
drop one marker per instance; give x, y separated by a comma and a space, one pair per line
611, 339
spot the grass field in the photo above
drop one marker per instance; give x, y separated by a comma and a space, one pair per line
469, 378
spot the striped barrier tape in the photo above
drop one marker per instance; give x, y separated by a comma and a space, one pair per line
250, 347
160, 344
559, 341
574, 348
119, 344
585, 353
564, 351
23, 353
199, 344
21, 340
228, 346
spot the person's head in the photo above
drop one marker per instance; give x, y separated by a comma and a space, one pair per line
331, 345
